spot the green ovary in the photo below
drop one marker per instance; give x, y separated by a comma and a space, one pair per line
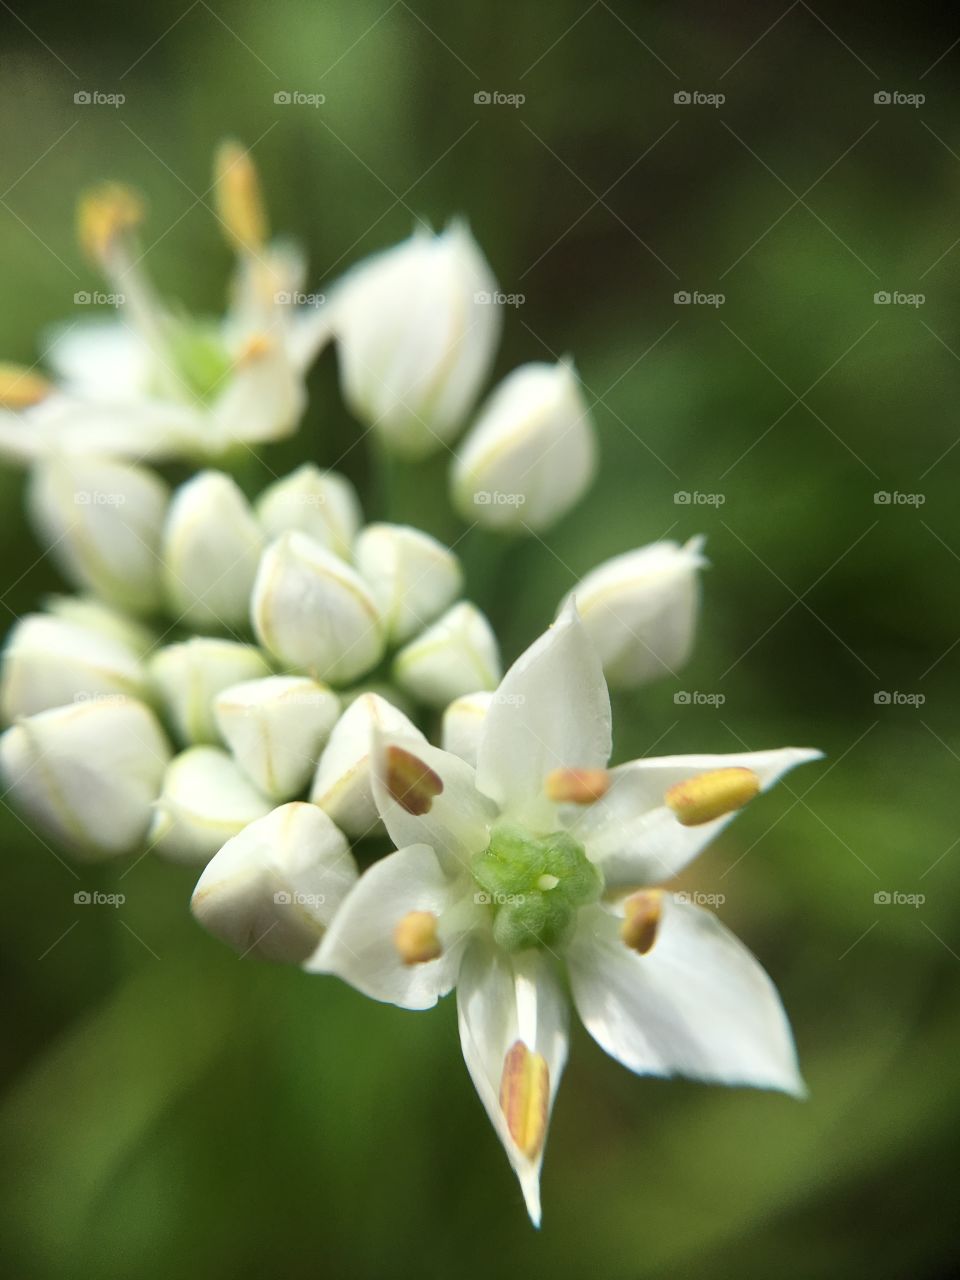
535, 884
199, 356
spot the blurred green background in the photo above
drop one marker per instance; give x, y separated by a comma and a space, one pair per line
172, 1110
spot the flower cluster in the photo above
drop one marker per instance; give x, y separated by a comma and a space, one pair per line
255, 684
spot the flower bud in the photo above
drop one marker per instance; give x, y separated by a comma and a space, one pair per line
88, 773
276, 729
457, 655
48, 662
91, 615
640, 610
343, 785
189, 675
417, 326
412, 576
312, 611
531, 453
211, 549
273, 889
205, 801
462, 722
102, 521
321, 503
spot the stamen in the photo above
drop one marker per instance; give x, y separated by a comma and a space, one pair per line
21, 387
413, 784
415, 938
104, 214
239, 198
254, 348
525, 1097
711, 795
641, 921
577, 786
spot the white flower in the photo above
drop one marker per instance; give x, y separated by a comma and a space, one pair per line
92, 615
412, 576
416, 327
88, 773
188, 675
205, 801
458, 654
463, 723
273, 889
343, 784
101, 520
640, 610
312, 611
48, 662
276, 729
498, 881
211, 551
530, 455
321, 503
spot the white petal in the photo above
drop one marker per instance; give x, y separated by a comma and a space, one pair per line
262, 399
500, 1000
359, 945
462, 723
697, 1004
205, 801
106, 359
551, 711
637, 840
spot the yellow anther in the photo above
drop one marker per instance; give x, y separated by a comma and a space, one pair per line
525, 1097
105, 213
254, 348
20, 387
577, 786
641, 920
711, 795
415, 937
239, 198
411, 783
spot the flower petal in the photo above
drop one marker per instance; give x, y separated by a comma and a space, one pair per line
502, 1002
359, 944
696, 1004
636, 839
551, 710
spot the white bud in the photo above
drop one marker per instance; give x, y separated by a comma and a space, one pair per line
412, 576
343, 785
88, 773
457, 655
189, 675
640, 610
83, 611
48, 662
531, 453
417, 327
321, 503
311, 610
462, 722
273, 889
211, 548
102, 521
276, 729
205, 801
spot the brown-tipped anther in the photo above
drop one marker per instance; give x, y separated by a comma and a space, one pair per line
20, 387
239, 198
577, 786
711, 795
525, 1097
641, 920
415, 937
104, 214
411, 783
254, 348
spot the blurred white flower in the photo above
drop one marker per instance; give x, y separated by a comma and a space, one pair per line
187, 677
530, 455
322, 504
206, 799
412, 576
458, 654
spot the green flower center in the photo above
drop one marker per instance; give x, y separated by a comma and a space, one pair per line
534, 886
198, 355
